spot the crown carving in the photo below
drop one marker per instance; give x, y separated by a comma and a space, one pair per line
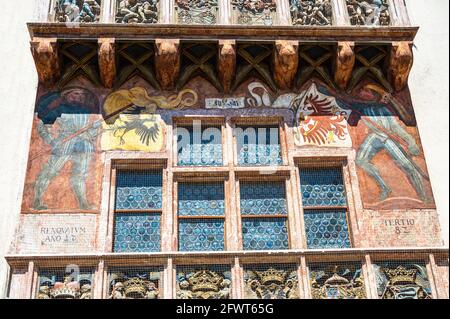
401, 275
65, 290
205, 280
135, 286
271, 275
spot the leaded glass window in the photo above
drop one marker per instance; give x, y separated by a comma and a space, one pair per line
343, 280
204, 282
264, 215
324, 208
201, 214
135, 282
258, 145
60, 283
271, 281
199, 145
402, 280
137, 218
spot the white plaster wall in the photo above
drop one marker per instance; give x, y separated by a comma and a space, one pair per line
429, 87
18, 83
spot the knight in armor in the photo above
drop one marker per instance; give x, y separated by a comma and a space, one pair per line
73, 143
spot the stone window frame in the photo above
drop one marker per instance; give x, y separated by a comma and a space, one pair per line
343, 159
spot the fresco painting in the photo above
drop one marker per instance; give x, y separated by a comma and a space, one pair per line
75, 125
63, 152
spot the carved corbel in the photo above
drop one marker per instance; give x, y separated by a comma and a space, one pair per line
46, 59
227, 63
344, 63
285, 63
400, 63
107, 61
167, 62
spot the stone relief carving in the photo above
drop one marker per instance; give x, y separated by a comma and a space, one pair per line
369, 13
271, 284
197, 11
340, 283
134, 285
137, 11
204, 284
402, 281
255, 12
311, 12
69, 288
77, 10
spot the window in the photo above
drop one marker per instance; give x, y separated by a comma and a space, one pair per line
264, 215
324, 208
201, 214
258, 145
199, 146
137, 216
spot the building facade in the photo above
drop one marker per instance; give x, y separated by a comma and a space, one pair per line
221, 149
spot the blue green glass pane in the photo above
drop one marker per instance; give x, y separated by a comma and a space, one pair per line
265, 233
258, 146
322, 187
201, 199
263, 198
326, 229
139, 190
202, 150
201, 234
137, 232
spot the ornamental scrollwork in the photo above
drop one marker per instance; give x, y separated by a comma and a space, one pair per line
77, 10
311, 12
255, 12
369, 12
337, 282
197, 11
203, 284
137, 11
402, 281
271, 283
134, 285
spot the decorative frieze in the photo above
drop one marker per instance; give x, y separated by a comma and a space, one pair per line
254, 12
369, 12
211, 283
137, 11
77, 10
271, 282
197, 11
311, 12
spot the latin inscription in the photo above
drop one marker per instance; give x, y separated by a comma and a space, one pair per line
61, 234
400, 226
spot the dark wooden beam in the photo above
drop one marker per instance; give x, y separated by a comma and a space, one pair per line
147, 32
